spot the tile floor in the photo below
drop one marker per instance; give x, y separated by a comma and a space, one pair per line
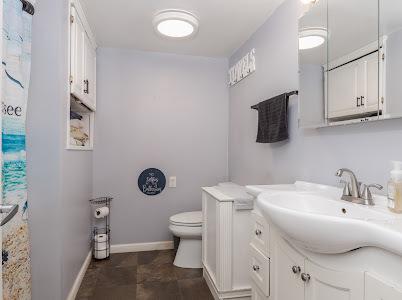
142, 276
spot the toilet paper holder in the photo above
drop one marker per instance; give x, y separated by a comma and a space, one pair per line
100, 227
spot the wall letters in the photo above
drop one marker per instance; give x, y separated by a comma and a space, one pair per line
242, 68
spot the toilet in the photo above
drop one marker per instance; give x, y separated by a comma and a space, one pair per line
188, 227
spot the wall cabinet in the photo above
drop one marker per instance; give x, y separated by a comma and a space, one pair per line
352, 88
77, 42
342, 91
82, 85
82, 61
371, 102
90, 74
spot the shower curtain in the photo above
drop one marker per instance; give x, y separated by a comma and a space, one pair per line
16, 63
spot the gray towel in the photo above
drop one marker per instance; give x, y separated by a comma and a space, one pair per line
273, 120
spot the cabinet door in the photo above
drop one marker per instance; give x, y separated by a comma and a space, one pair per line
371, 84
379, 289
332, 285
361, 84
342, 91
77, 59
90, 74
287, 266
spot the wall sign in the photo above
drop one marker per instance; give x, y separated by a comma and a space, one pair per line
242, 68
152, 182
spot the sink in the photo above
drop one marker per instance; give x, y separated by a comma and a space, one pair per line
317, 220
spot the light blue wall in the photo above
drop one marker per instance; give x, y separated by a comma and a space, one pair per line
43, 152
158, 110
312, 155
59, 181
393, 88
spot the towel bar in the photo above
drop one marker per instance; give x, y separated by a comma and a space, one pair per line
292, 93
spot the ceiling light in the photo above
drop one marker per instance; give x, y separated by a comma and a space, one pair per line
311, 38
309, 42
175, 23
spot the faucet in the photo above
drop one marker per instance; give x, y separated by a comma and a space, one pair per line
352, 193
354, 184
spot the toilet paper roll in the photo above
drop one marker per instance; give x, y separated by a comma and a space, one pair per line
100, 246
101, 254
100, 238
101, 242
101, 212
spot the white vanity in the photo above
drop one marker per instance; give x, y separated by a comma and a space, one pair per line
308, 244
225, 238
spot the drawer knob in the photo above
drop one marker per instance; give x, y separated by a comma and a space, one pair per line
305, 277
258, 232
256, 268
296, 269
